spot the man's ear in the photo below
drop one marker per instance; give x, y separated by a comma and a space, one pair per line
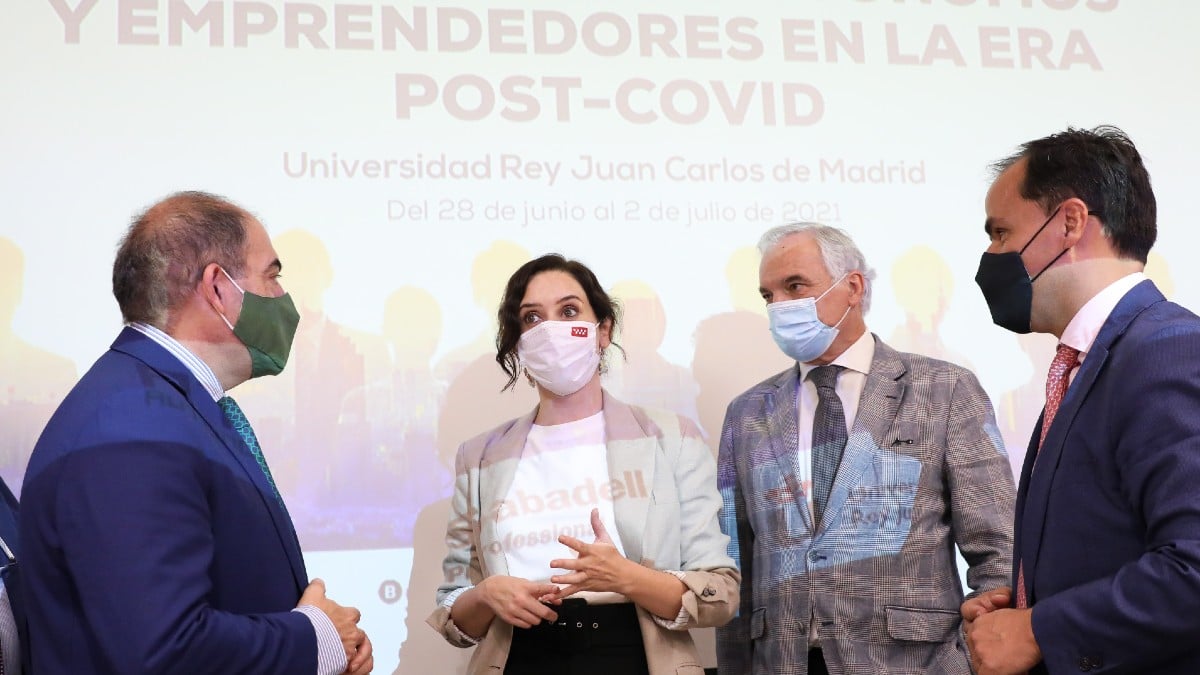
1075, 221
216, 289
858, 287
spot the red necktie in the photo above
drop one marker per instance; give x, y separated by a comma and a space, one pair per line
1065, 360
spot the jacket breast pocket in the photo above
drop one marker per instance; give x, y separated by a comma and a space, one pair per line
922, 625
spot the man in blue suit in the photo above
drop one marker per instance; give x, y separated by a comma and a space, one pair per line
1106, 563
154, 539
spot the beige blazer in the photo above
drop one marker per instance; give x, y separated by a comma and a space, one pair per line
673, 527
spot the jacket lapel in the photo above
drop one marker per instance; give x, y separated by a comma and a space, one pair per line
497, 469
877, 408
632, 449
216, 420
781, 413
1037, 475
1022, 494
144, 349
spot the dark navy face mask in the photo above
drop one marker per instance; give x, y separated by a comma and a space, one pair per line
1007, 286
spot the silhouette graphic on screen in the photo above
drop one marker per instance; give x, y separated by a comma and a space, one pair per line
489, 274
33, 381
923, 284
734, 351
1160, 273
1017, 410
402, 403
645, 377
308, 409
741, 273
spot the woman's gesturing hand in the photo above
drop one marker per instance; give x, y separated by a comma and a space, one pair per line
519, 601
599, 567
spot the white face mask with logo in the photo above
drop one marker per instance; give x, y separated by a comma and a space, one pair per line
562, 356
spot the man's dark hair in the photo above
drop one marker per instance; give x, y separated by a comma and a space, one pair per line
1102, 167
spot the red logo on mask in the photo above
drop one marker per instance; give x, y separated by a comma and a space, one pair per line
579, 331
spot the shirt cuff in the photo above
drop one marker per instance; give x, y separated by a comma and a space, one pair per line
331, 655
448, 602
683, 619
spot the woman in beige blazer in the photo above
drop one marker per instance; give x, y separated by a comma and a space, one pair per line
533, 578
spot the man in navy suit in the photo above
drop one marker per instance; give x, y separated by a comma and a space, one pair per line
154, 539
1106, 563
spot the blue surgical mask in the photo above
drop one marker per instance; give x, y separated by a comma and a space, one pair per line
798, 330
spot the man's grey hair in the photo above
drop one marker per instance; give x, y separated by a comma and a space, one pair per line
838, 251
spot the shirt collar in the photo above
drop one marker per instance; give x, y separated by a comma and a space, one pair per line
857, 357
1081, 332
193, 363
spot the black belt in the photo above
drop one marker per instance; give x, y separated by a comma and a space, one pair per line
580, 625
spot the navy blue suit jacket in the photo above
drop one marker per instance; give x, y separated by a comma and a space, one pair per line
152, 542
1108, 525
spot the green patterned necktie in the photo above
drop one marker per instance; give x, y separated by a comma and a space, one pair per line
233, 413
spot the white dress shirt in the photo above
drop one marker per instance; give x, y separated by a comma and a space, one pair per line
1083, 328
857, 363
331, 655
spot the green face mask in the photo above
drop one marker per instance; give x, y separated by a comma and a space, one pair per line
267, 327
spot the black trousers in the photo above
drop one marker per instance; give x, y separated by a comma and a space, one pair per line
586, 640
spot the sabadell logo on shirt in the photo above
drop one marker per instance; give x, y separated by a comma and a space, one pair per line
579, 331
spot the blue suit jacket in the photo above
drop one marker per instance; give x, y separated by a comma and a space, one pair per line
152, 542
1108, 525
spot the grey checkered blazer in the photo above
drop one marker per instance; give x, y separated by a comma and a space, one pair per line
924, 469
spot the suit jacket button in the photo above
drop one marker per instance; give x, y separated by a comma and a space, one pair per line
708, 592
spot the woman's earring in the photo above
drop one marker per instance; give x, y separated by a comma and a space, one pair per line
529, 378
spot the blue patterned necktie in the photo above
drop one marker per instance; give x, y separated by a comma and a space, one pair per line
829, 436
233, 413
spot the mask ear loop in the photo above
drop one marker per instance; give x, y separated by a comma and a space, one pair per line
831, 287
1048, 265
235, 285
1035, 236
844, 315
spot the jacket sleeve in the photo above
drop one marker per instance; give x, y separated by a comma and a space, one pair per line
982, 496
461, 566
709, 573
734, 649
